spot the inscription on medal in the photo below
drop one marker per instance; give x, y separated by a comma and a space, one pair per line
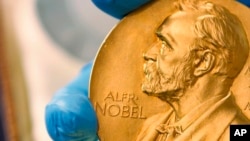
247, 107
123, 105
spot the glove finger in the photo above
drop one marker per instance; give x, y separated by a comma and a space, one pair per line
119, 8
70, 117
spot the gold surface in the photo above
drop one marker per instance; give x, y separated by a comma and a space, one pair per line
117, 76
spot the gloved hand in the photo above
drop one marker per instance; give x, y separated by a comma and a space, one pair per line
69, 116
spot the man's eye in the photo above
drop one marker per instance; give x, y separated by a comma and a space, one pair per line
163, 44
164, 47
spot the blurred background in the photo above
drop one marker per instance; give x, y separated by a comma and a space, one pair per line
44, 44
54, 39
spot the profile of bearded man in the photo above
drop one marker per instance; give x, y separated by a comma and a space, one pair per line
199, 51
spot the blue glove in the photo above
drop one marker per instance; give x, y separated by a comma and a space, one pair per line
119, 8
70, 115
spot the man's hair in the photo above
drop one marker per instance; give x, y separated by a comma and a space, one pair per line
219, 31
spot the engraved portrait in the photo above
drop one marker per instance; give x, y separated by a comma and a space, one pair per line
174, 70
199, 51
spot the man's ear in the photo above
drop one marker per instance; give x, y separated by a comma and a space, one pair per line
204, 64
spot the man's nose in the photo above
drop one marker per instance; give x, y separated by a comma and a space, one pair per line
152, 52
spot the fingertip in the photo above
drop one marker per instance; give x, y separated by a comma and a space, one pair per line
118, 8
70, 117
110, 8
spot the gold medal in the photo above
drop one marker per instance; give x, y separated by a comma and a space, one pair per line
170, 70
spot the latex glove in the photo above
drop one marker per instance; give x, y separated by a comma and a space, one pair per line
70, 116
119, 8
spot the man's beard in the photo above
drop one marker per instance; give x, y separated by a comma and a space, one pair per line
168, 88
